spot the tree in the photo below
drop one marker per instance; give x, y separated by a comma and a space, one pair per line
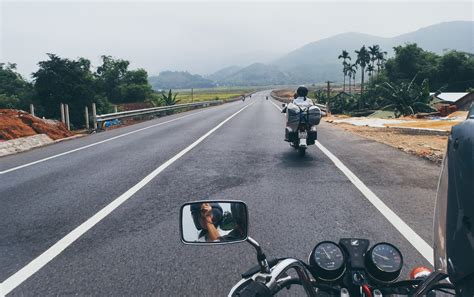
351, 70
381, 60
455, 71
60, 80
407, 98
363, 58
15, 91
345, 56
120, 85
370, 70
373, 53
410, 61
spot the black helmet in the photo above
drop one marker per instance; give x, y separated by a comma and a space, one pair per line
216, 214
454, 214
302, 91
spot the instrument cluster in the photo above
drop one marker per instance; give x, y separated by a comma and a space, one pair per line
351, 260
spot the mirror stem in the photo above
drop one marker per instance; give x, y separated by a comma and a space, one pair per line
261, 258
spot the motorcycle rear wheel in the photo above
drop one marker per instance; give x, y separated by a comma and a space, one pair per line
302, 151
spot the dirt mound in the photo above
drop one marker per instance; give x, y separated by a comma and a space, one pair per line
17, 123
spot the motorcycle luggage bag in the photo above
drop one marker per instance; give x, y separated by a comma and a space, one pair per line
312, 137
290, 135
296, 115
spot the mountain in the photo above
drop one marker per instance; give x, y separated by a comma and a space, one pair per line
317, 61
257, 74
223, 73
179, 80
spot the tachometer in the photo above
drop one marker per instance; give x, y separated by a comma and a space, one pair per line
384, 262
327, 261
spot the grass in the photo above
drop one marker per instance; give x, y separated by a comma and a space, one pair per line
184, 96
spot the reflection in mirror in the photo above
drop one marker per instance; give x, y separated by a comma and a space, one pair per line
214, 222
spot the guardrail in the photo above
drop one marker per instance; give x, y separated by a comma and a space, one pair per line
138, 112
286, 100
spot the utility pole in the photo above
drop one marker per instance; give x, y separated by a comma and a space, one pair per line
328, 95
192, 95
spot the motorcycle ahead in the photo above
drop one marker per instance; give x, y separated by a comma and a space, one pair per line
301, 124
350, 267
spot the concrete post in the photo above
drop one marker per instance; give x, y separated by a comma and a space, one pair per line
66, 107
63, 120
115, 109
94, 115
32, 109
86, 115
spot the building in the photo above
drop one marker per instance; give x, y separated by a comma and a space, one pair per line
462, 101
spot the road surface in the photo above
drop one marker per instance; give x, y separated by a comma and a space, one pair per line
233, 151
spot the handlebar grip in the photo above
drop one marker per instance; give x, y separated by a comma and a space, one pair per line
255, 289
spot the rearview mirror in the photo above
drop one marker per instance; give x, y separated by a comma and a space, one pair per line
283, 105
211, 222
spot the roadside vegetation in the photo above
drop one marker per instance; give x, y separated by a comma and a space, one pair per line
73, 82
401, 84
79, 84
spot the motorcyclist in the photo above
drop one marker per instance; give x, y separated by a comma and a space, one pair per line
207, 217
301, 100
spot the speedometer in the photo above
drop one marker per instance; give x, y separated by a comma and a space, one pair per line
384, 262
327, 261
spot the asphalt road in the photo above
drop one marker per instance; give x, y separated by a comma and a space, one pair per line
293, 202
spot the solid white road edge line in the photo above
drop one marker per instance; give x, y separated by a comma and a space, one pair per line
415, 240
97, 143
420, 245
39, 262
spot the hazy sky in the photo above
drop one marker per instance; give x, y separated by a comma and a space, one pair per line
200, 37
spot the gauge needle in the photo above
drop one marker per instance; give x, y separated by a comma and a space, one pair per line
383, 257
329, 257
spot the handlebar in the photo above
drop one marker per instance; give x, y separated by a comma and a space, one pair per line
278, 279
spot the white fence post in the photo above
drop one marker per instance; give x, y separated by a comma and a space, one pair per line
86, 115
63, 120
94, 115
32, 109
68, 125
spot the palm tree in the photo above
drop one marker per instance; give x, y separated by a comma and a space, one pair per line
345, 56
370, 70
381, 60
373, 53
363, 59
351, 72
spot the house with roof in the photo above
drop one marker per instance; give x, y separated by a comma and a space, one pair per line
462, 100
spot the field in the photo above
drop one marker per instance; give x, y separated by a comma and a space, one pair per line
184, 96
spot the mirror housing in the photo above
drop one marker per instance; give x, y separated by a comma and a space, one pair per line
213, 222
283, 104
